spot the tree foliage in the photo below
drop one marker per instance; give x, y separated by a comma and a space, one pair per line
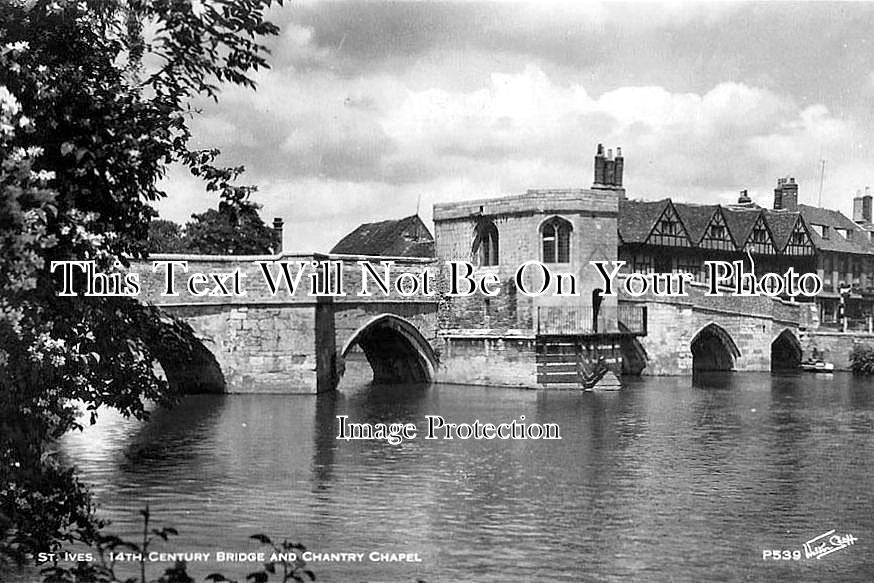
86, 132
235, 228
862, 359
222, 233
228, 230
165, 237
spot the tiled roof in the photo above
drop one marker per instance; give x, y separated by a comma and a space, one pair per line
740, 222
781, 223
637, 218
407, 237
833, 219
837, 242
821, 216
695, 217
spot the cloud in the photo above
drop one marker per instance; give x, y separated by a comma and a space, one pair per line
369, 110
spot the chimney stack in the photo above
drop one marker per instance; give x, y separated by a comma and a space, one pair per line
866, 205
786, 194
609, 171
618, 167
277, 230
744, 198
599, 165
862, 206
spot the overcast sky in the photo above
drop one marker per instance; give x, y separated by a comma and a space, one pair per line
370, 106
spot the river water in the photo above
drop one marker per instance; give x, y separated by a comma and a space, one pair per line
669, 479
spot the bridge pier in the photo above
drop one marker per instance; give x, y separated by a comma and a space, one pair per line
263, 348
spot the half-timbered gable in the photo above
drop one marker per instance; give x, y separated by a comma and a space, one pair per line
669, 230
789, 233
761, 241
800, 242
716, 235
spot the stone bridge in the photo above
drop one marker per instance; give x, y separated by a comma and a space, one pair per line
292, 343
296, 343
699, 332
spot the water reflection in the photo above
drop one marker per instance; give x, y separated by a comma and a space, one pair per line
669, 479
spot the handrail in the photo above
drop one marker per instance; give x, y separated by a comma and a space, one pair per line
582, 320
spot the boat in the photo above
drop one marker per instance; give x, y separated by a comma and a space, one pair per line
817, 366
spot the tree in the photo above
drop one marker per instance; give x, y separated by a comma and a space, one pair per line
165, 237
222, 232
85, 135
219, 233
235, 228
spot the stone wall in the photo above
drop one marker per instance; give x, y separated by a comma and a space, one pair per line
283, 342
518, 219
488, 360
833, 346
350, 318
752, 323
260, 348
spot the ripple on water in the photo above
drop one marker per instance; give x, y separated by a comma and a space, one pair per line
666, 480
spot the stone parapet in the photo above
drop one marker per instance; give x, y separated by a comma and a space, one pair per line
535, 201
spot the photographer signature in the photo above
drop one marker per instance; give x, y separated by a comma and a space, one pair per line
827, 543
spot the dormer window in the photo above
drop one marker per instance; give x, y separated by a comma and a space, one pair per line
821, 230
556, 240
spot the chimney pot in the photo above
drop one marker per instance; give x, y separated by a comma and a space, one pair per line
866, 206
277, 228
618, 168
610, 172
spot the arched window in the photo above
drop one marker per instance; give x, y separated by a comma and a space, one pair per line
487, 243
556, 238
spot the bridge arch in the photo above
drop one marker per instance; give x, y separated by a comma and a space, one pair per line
713, 348
188, 365
786, 351
396, 350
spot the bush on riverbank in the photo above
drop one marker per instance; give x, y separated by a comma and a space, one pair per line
95, 108
862, 359
288, 566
